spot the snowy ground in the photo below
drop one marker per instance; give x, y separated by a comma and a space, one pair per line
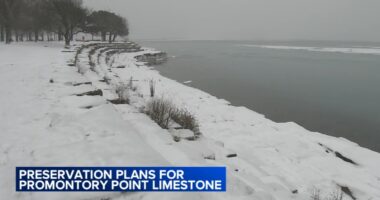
44, 123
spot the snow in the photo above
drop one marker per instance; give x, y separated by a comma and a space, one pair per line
351, 50
46, 124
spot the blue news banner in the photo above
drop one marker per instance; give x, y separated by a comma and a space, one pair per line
105, 179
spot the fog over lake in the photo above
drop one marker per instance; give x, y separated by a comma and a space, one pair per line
248, 19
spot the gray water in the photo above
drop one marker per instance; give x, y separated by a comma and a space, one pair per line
333, 93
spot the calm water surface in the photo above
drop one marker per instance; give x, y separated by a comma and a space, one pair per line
332, 93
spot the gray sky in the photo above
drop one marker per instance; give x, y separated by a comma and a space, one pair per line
248, 19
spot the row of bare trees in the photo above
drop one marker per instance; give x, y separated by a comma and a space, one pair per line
32, 20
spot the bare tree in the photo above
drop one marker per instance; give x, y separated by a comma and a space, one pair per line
119, 28
107, 23
2, 31
36, 19
71, 17
98, 23
9, 11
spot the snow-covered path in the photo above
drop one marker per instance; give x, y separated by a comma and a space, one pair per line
44, 123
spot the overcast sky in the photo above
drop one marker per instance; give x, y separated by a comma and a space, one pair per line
248, 19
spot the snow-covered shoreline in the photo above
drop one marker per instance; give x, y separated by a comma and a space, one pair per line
274, 160
239, 128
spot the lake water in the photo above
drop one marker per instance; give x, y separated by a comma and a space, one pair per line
329, 92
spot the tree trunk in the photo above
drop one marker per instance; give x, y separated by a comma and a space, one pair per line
43, 36
2, 33
67, 41
60, 38
68, 37
103, 36
59, 34
8, 34
110, 38
114, 37
36, 36
16, 36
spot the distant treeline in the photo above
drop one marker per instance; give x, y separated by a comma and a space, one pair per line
32, 20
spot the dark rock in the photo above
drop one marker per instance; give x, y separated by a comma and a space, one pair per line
84, 83
209, 157
231, 155
153, 58
339, 155
176, 139
119, 101
347, 191
92, 93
